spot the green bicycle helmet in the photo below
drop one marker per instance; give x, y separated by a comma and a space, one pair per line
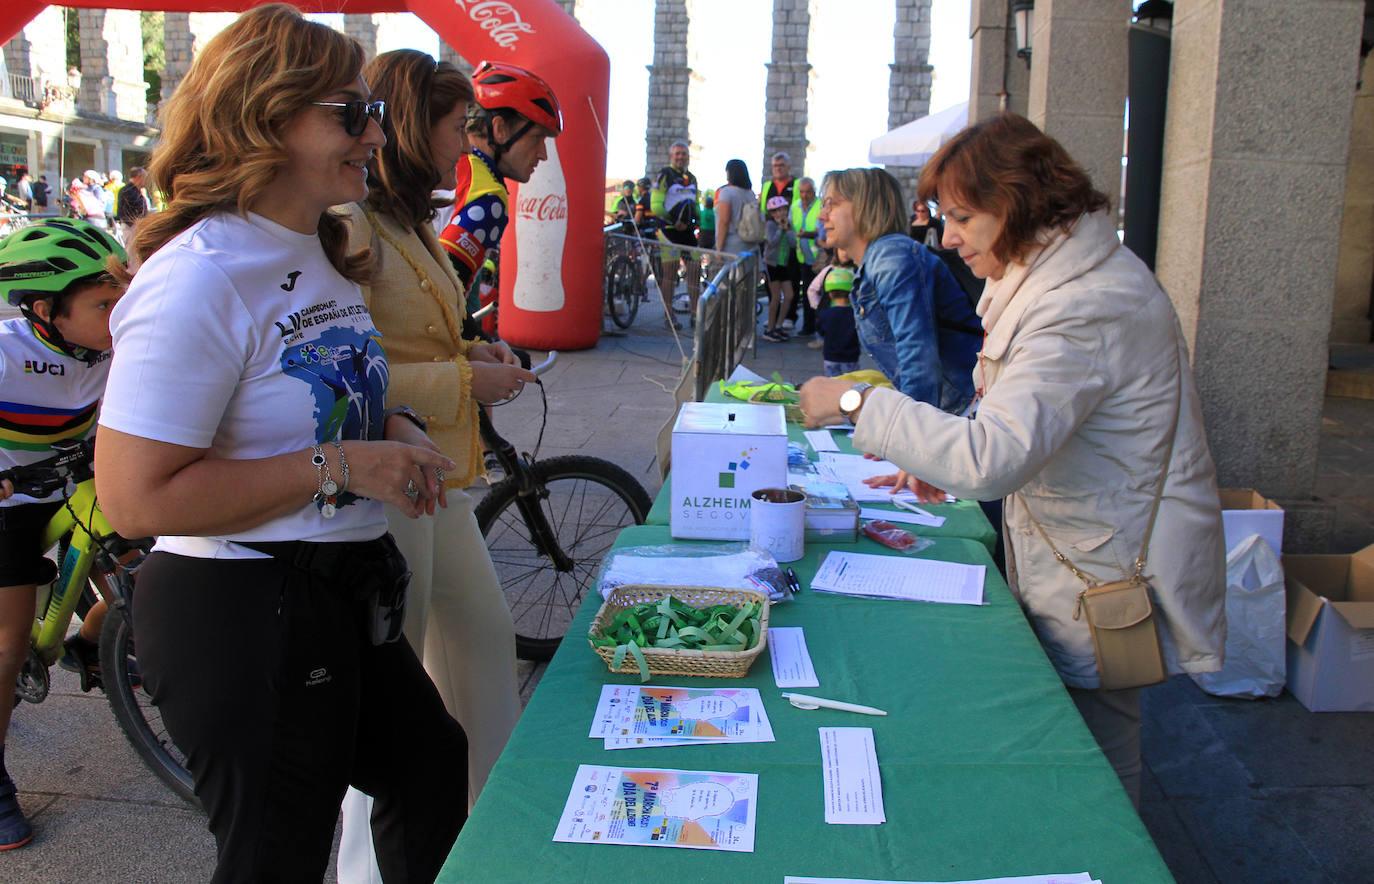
46, 259
50, 258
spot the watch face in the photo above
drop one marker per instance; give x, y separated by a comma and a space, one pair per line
850, 400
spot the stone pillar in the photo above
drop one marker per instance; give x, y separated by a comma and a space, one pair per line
183, 33
1000, 80
38, 52
1078, 82
908, 89
112, 82
1255, 299
1350, 323
363, 28
449, 54
669, 78
789, 84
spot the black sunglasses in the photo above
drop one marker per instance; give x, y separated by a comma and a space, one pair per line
356, 113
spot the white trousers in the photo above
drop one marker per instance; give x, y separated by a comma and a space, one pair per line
458, 621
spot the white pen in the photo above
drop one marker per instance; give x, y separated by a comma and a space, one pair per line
910, 507
806, 701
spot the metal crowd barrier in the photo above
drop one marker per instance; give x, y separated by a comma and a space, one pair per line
725, 327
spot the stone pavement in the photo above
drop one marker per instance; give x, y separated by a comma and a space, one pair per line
1235, 791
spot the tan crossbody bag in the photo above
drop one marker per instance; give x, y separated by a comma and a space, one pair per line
1120, 614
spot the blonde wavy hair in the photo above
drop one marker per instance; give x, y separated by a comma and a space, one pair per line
879, 208
222, 146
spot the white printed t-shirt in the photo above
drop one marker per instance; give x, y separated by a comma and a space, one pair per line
45, 396
240, 337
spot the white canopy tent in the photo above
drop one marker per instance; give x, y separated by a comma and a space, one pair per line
914, 143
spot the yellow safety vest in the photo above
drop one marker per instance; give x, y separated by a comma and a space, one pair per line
807, 250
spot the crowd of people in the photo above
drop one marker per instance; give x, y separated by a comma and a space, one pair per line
110, 202
306, 486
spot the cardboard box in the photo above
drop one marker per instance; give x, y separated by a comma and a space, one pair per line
1331, 631
722, 453
1244, 511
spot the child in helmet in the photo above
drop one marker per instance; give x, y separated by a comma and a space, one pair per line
835, 320
781, 242
54, 360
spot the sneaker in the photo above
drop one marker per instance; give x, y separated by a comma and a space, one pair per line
771, 336
83, 658
15, 830
815, 343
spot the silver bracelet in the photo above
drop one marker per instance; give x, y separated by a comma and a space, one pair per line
326, 495
343, 466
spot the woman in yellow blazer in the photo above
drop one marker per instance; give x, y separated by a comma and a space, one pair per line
457, 618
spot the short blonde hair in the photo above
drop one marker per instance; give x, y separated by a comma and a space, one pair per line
879, 208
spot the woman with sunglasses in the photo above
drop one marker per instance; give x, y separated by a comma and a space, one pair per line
244, 426
457, 617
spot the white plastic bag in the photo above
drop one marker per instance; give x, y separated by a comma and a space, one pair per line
1255, 627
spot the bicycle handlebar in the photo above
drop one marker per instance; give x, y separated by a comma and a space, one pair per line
73, 459
546, 364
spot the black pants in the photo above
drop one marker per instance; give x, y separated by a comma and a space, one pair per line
267, 683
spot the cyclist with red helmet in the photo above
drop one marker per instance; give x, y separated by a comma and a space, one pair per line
515, 112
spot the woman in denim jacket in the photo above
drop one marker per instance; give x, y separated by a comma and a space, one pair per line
914, 320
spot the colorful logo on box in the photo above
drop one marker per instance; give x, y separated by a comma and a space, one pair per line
727, 478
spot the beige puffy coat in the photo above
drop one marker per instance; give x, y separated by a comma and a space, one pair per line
1080, 376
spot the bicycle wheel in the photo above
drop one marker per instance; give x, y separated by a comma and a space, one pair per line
587, 502
133, 708
622, 297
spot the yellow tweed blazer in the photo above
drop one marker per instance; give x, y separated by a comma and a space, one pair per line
421, 320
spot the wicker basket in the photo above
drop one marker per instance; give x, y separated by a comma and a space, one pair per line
682, 661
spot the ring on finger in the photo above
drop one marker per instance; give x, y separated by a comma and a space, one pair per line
411, 491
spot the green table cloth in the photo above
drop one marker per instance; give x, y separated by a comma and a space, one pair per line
962, 519
987, 769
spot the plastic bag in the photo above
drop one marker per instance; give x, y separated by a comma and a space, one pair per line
1255, 625
727, 565
895, 537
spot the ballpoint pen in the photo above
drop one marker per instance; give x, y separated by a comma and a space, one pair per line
910, 507
806, 701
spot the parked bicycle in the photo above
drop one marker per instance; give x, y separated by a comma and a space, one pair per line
94, 562
547, 525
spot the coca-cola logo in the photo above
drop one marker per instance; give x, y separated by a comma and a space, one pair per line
501, 20
550, 207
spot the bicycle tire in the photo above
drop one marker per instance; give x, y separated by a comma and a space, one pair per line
543, 601
622, 299
133, 709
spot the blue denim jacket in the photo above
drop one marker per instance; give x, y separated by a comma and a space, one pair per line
916, 322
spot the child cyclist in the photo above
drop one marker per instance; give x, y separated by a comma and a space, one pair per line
53, 363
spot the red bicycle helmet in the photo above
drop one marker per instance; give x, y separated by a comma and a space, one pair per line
505, 86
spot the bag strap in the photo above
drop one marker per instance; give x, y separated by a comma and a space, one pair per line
1154, 507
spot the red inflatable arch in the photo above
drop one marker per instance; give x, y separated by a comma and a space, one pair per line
551, 263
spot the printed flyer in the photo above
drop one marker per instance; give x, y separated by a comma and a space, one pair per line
699, 810
724, 714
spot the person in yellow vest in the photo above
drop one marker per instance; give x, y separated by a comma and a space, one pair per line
806, 219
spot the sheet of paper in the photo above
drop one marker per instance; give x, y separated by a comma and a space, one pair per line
791, 660
853, 786
821, 440
614, 698
1077, 878
906, 517
743, 374
852, 469
893, 577
699, 810
713, 714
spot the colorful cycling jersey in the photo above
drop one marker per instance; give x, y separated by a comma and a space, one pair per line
480, 214
45, 396
674, 189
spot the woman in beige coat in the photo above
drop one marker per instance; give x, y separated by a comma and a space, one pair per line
457, 619
1083, 368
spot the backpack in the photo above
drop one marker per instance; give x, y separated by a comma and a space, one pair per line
750, 228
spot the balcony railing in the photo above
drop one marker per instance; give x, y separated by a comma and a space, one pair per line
35, 92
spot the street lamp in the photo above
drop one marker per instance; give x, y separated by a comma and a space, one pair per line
1023, 15
1157, 15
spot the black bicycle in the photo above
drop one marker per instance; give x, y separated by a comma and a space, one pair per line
548, 525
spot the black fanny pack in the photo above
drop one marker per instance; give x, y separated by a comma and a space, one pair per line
371, 571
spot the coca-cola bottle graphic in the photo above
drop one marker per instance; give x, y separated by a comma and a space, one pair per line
541, 228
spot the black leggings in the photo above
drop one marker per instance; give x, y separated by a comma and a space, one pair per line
266, 681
